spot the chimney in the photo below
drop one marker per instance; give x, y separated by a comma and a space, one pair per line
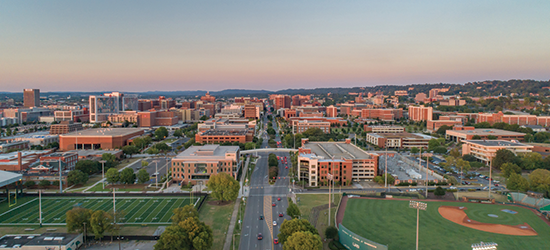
348, 141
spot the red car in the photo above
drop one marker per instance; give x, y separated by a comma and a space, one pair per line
279, 199
260, 236
273, 204
275, 241
280, 214
286, 167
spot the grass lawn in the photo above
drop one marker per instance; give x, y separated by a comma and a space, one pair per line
169, 140
217, 217
393, 223
308, 201
99, 188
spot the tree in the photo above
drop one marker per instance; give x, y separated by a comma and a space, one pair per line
87, 166
531, 160
540, 180
509, 168
162, 147
249, 145
127, 176
289, 227
491, 137
178, 133
443, 129
469, 157
130, 150
112, 176
433, 143
198, 235
142, 142
182, 213
44, 183
476, 137
503, 156
29, 184
454, 153
224, 187
331, 232
440, 150
100, 222
144, 164
293, 211
152, 151
439, 191
75, 219
174, 237
142, 176
108, 157
272, 160
204, 118
517, 182
77, 177
303, 240
161, 133
415, 150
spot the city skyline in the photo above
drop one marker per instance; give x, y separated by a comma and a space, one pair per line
178, 46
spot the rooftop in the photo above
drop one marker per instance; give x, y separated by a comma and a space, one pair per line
207, 152
7, 178
410, 136
104, 132
90, 152
36, 240
486, 132
225, 132
338, 150
497, 143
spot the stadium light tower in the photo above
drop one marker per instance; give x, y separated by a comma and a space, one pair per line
484, 246
103, 172
418, 206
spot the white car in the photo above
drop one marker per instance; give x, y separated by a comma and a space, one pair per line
274, 223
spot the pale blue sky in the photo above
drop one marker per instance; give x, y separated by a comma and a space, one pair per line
214, 45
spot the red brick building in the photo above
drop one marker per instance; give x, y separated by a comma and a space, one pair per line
513, 119
420, 113
157, 118
382, 114
104, 138
197, 163
332, 111
221, 136
281, 101
251, 111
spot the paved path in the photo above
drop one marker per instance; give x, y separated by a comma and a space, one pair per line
229, 235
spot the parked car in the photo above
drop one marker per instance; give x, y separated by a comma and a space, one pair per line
260, 236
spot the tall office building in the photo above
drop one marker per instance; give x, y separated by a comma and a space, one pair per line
111, 103
31, 98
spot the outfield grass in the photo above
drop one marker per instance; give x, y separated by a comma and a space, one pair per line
217, 217
308, 201
393, 223
137, 210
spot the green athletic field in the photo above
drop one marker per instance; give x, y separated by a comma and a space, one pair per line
393, 223
137, 210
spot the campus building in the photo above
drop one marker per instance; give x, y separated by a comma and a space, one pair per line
111, 103
80, 115
513, 119
451, 121
281, 101
21, 160
383, 129
399, 140
332, 111
103, 138
303, 125
460, 133
251, 111
420, 113
221, 136
31, 98
343, 161
400, 93
198, 163
382, 114
485, 150
65, 127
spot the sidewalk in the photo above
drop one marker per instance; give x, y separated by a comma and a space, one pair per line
229, 235
120, 170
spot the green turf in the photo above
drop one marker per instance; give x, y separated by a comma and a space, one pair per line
393, 223
137, 210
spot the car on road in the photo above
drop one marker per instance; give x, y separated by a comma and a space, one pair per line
279, 198
275, 241
260, 236
273, 205
274, 223
261, 217
281, 215
286, 167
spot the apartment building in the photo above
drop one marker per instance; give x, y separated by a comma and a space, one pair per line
460, 133
513, 119
382, 114
384, 129
399, 140
251, 111
111, 103
281, 101
303, 125
332, 111
197, 163
65, 127
218, 136
485, 150
343, 162
420, 113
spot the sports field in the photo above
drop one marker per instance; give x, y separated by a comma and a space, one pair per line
136, 210
393, 223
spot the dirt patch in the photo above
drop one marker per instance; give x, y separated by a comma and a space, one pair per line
341, 209
458, 216
218, 203
448, 196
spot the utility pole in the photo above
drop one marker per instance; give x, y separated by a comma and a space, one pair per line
114, 206
490, 176
39, 206
103, 172
60, 180
386, 171
156, 174
427, 164
329, 201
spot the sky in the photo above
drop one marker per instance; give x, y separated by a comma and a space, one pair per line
214, 45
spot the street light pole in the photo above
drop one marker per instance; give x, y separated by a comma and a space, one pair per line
427, 165
490, 176
418, 206
60, 179
103, 172
386, 172
156, 174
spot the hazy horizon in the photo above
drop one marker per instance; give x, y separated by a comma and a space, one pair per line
139, 46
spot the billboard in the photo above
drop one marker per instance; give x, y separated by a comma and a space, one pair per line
351, 240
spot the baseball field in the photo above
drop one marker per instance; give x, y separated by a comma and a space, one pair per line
137, 210
445, 225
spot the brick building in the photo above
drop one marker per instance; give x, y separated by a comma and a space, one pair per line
460, 133
383, 129
513, 119
332, 111
198, 163
65, 127
220, 136
399, 140
420, 113
485, 150
382, 114
104, 138
303, 125
281, 101
251, 111
345, 162
31, 98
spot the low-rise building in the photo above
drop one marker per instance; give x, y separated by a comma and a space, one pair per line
65, 127
103, 138
303, 125
434, 125
221, 136
38, 139
384, 129
198, 163
460, 133
61, 241
68, 160
343, 162
485, 150
13, 145
21, 160
399, 140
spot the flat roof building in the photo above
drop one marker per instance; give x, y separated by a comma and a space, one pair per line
61, 241
420, 113
399, 140
103, 138
303, 125
485, 150
198, 163
343, 162
468, 133
384, 129
31, 98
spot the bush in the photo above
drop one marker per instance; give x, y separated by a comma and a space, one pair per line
44, 183
29, 184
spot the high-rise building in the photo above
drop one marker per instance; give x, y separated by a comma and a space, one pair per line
420, 113
281, 101
111, 103
332, 111
31, 98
